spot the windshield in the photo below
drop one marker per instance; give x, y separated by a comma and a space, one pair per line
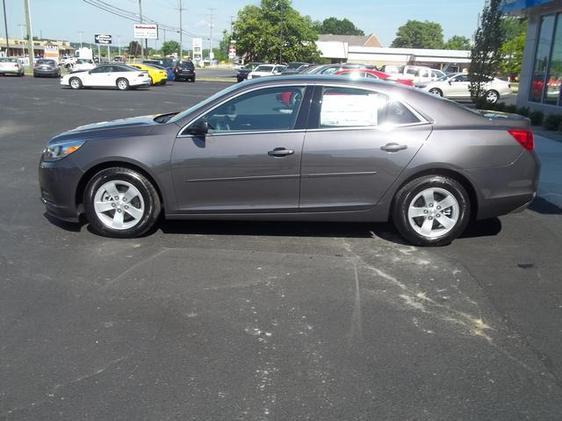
203, 103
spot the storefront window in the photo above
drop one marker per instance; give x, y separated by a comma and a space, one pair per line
541, 58
554, 79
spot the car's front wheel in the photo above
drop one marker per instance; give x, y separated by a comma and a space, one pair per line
75, 83
120, 202
436, 91
431, 210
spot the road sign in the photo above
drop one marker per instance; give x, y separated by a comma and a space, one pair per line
145, 31
103, 39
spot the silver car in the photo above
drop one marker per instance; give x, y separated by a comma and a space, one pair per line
307, 148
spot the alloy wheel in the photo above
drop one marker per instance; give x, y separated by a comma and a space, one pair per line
433, 212
119, 205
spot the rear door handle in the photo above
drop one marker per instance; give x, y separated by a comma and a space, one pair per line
393, 147
281, 152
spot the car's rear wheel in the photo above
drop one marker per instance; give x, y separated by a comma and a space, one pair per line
431, 210
75, 83
123, 84
436, 91
120, 202
492, 96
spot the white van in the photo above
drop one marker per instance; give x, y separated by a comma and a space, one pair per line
418, 74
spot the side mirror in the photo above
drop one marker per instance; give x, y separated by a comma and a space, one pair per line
198, 128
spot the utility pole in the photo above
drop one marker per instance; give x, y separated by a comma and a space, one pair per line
6, 28
211, 55
181, 30
140, 16
29, 32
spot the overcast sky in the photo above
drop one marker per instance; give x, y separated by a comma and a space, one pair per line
63, 19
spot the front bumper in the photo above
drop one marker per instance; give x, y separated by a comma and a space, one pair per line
58, 182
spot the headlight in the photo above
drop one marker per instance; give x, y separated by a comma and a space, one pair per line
58, 150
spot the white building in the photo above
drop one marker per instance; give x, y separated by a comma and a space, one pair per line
368, 50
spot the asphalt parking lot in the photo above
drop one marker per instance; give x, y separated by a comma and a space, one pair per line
261, 321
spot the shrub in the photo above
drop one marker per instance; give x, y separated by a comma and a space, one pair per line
536, 117
524, 111
552, 121
500, 106
511, 109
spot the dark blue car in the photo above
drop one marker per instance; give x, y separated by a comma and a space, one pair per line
164, 64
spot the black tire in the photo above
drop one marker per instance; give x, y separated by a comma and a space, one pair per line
123, 84
192, 80
404, 197
75, 83
152, 205
492, 96
436, 91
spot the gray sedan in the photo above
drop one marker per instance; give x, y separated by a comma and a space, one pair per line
307, 148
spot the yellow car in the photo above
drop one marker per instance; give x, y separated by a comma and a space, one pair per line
157, 76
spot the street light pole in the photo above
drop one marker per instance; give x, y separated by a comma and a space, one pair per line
6, 28
181, 31
29, 32
140, 16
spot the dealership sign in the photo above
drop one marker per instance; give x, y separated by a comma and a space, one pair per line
145, 31
102, 39
515, 5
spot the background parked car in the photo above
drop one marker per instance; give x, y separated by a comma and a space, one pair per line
266, 70
373, 74
162, 63
82, 64
11, 66
185, 70
120, 76
330, 69
46, 67
457, 87
243, 72
157, 76
296, 67
418, 74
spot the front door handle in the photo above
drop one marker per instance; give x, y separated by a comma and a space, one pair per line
281, 152
393, 147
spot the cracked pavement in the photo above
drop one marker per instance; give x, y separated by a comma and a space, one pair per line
262, 321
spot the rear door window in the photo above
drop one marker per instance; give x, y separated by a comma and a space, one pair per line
352, 107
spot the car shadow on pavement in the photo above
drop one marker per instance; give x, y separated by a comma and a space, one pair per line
545, 207
386, 231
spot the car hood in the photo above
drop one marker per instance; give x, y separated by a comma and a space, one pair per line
123, 123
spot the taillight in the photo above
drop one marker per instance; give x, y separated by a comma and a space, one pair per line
524, 137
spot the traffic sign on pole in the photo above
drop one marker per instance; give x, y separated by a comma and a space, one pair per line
103, 39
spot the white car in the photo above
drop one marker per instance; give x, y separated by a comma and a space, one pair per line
120, 76
458, 87
417, 74
82, 64
266, 70
10, 66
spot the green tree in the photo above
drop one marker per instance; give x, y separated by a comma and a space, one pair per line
417, 34
457, 42
486, 53
170, 47
134, 49
275, 32
515, 33
337, 26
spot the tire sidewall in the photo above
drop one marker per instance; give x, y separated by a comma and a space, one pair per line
408, 192
77, 86
149, 196
436, 91
126, 83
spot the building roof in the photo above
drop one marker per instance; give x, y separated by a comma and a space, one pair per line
352, 40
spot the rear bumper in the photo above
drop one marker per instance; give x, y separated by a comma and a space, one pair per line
53, 73
507, 189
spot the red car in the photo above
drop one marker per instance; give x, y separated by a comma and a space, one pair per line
373, 74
